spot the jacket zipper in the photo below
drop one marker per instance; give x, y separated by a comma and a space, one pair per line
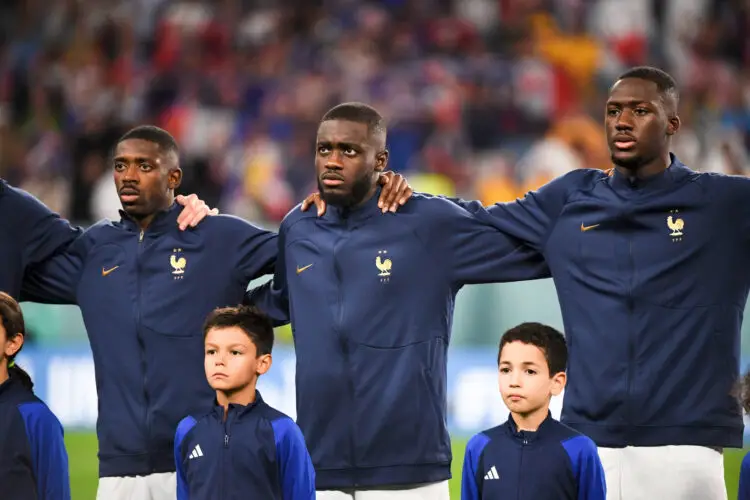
345, 351
631, 337
142, 345
224, 459
524, 442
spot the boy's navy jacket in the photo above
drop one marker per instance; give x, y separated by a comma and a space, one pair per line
30, 233
144, 296
33, 460
553, 463
256, 452
371, 299
652, 277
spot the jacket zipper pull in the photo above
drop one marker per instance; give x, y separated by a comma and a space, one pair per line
140, 236
226, 440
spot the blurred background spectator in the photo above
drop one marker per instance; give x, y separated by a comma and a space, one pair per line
485, 98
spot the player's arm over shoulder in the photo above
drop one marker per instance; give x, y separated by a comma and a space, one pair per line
532, 217
471, 247
55, 280
249, 249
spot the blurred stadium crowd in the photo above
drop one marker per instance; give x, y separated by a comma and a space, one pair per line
485, 98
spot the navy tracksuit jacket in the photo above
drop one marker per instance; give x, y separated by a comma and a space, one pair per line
255, 452
33, 460
553, 463
30, 233
144, 296
652, 278
371, 299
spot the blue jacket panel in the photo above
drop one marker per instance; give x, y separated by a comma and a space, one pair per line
652, 280
372, 296
253, 452
553, 463
744, 487
30, 233
33, 460
144, 296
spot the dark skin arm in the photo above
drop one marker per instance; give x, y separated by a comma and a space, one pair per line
395, 193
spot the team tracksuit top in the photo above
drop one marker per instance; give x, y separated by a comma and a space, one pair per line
553, 463
144, 296
255, 452
371, 299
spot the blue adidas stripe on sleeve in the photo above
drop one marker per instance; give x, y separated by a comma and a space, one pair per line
185, 425
587, 468
48, 454
474, 449
294, 462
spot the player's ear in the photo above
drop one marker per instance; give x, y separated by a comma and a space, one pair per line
673, 125
381, 161
264, 364
558, 382
175, 178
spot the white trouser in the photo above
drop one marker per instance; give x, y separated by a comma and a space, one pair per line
664, 473
162, 486
432, 491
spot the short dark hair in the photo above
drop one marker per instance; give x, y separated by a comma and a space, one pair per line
357, 112
249, 319
663, 80
153, 134
12, 318
550, 341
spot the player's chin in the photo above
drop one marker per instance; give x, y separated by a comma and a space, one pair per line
337, 196
134, 208
626, 158
222, 384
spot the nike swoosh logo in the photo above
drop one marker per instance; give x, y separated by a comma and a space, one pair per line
300, 269
586, 228
105, 272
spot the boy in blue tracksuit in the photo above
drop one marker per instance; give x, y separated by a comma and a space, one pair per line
33, 460
242, 448
371, 297
532, 456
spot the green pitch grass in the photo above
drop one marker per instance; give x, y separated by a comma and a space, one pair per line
82, 449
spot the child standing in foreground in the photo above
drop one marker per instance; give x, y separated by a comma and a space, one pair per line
243, 448
33, 460
532, 456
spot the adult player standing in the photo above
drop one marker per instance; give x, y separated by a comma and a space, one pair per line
650, 265
371, 299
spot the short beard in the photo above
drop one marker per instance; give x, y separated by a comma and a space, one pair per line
360, 189
633, 164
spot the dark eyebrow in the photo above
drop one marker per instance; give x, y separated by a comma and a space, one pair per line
629, 102
342, 145
138, 159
